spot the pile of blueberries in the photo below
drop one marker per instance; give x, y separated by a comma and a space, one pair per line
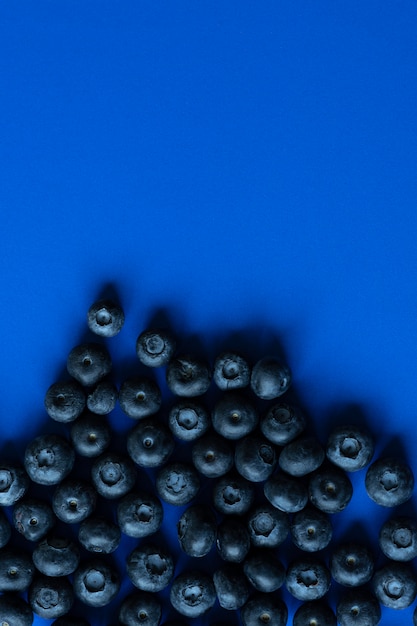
239, 469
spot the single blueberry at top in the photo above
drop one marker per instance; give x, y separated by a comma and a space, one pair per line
105, 318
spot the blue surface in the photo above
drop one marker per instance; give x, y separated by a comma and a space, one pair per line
245, 168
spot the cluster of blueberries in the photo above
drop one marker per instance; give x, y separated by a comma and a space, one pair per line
268, 480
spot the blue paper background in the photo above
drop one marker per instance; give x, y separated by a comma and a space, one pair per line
244, 167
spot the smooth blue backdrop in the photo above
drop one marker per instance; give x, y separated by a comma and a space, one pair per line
243, 166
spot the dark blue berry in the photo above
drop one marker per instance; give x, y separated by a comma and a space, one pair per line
15, 611
286, 493
188, 420
5, 530
192, 594
113, 475
233, 540
350, 447
231, 587
233, 494
308, 579
270, 378
282, 423
264, 571
96, 583
268, 527
102, 398
140, 397
197, 530
150, 568
315, 613
398, 538
89, 363
73, 501
264, 609
150, 443
49, 459
352, 564
389, 482
50, 597
302, 456
330, 490
16, 570
140, 609
311, 529
357, 607
395, 585
187, 376
234, 416
255, 458
13, 484
139, 514
90, 435
65, 401
212, 456
231, 371
56, 556
99, 535
155, 348
177, 483
33, 519
105, 318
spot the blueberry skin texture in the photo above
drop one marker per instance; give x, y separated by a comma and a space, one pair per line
357, 607
89, 363
90, 435
96, 583
212, 456
264, 608
73, 501
177, 483
264, 571
352, 564
233, 494
196, 530
14, 483
113, 475
231, 371
155, 348
395, 585
234, 416
389, 482
233, 540
65, 401
330, 490
33, 519
105, 318
140, 609
398, 538
268, 527
150, 443
50, 597
139, 514
188, 420
99, 535
49, 459
317, 612
187, 376
301, 457
150, 568
56, 556
16, 570
270, 378
311, 530
15, 611
192, 594
5, 530
350, 447
140, 397
231, 587
255, 458
101, 400
286, 493
308, 579
282, 424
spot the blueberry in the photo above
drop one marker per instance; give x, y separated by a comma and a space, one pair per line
150, 443
357, 607
140, 397
268, 527
270, 378
188, 420
150, 568
89, 363
139, 514
101, 399
155, 348
33, 519
395, 585
330, 490
231, 587
350, 447
105, 318
255, 458
264, 609
70, 620
65, 401
177, 483
5, 530
13, 484
96, 583
302, 456
231, 371
73, 501
49, 459
233, 494
192, 594
212, 456
398, 538
196, 530
99, 535
389, 482
140, 609
187, 376
16, 570
311, 530
14, 611
113, 475
317, 613
308, 579
233, 540
90, 435
286, 493
352, 564
234, 416
56, 556
282, 423
50, 597
264, 571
